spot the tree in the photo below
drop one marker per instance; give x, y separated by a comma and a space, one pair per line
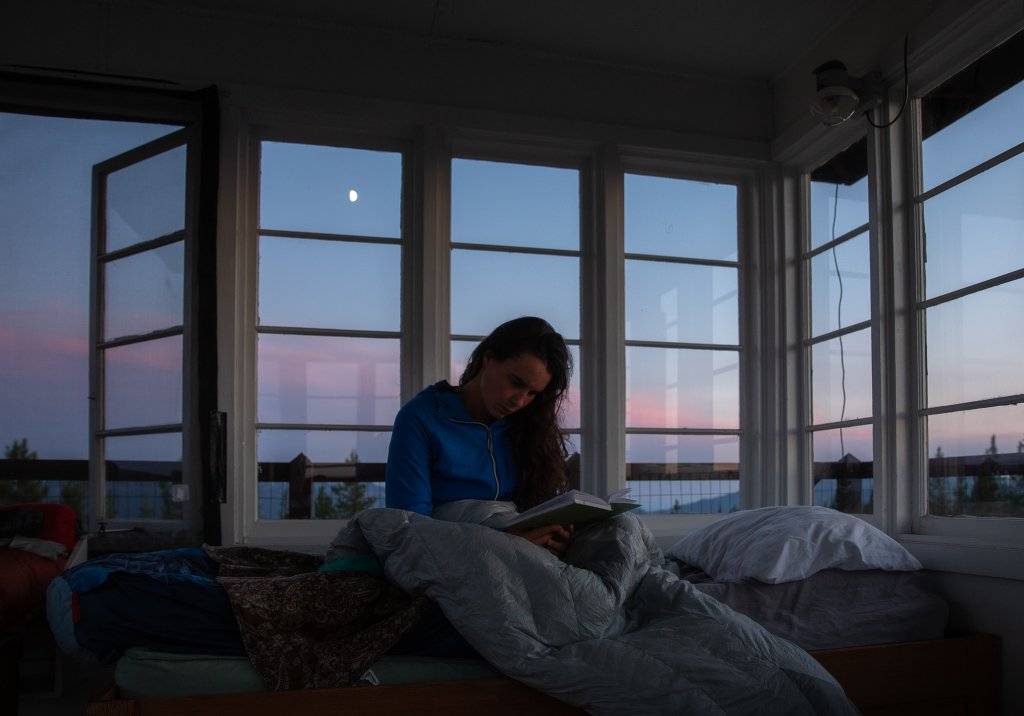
21, 490
350, 498
992, 449
72, 494
323, 507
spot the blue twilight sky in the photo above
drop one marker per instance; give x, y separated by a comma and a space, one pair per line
974, 231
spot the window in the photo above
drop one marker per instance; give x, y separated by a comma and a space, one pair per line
682, 344
970, 303
515, 240
328, 328
139, 308
838, 269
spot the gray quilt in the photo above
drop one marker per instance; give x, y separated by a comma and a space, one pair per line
608, 627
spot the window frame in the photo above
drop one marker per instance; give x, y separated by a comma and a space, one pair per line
754, 422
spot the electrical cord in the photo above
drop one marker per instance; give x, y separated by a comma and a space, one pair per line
839, 318
906, 90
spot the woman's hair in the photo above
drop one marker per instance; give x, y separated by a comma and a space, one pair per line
538, 445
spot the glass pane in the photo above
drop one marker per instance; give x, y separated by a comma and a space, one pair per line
490, 287
320, 379
574, 462
841, 378
140, 472
680, 302
330, 284
570, 419
680, 217
515, 205
976, 462
841, 297
975, 230
333, 190
144, 292
684, 473
836, 213
844, 469
673, 388
979, 135
146, 200
143, 383
319, 474
975, 345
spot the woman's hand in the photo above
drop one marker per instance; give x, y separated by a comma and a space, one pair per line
553, 538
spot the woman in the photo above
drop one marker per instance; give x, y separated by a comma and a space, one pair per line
495, 436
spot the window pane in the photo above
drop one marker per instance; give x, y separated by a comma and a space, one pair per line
335, 190
835, 306
144, 292
515, 205
680, 217
975, 344
319, 379
680, 302
574, 462
834, 214
979, 135
143, 383
146, 200
674, 388
140, 471
490, 287
976, 463
841, 378
320, 474
975, 230
329, 284
570, 419
844, 469
45, 223
684, 473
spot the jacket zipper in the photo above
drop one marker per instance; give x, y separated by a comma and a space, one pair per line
490, 451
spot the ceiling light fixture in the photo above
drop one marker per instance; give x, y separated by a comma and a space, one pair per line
839, 95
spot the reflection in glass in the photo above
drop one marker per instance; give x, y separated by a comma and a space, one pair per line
491, 287
975, 344
681, 302
843, 469
140, 470
574, 461
681, 388
828, 313
319, 474
327, 379
143, 292
515, 205
143, 383
329, 284
979, 135
841, 378
570, 419
684, 473
680, 217
975, 230
832, 215
976, 462
146, 200
309, 188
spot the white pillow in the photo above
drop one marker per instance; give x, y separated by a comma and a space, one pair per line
785, 544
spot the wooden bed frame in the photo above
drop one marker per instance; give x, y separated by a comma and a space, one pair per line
959, 675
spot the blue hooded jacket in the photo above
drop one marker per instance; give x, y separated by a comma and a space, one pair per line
440, 454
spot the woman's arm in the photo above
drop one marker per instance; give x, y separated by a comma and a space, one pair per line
407, 477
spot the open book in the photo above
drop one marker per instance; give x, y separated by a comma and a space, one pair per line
573, 507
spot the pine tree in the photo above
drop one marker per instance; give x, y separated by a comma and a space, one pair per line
323, 507
21, 490
350, 498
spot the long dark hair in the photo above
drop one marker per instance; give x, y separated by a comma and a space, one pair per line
538, 445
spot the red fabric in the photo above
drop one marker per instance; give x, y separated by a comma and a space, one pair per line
58, 521
23, 580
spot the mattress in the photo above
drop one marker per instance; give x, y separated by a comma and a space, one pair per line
143, 673
836, 608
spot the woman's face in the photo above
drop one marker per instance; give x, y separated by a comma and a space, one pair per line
510, 385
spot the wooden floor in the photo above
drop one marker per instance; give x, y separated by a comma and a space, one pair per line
947, 676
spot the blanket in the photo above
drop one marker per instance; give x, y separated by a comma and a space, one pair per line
607, 627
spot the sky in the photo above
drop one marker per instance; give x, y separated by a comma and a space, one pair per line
975, 231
